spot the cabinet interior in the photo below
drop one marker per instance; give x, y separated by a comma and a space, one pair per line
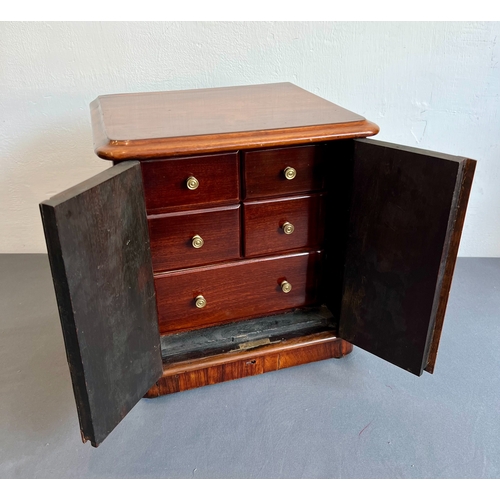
242, 335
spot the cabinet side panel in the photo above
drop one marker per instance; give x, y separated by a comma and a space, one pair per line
449, 259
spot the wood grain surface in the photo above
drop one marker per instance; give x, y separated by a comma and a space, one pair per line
155, 124
263, 224
171, 237
196, 373
165, 182
238, 290
403, 220
98, 246
263, 170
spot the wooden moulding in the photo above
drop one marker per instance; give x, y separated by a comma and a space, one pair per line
146, 149
185, 375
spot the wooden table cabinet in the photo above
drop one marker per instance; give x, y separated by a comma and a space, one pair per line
243, 230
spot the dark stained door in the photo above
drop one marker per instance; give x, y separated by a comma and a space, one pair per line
98, 245
407, 212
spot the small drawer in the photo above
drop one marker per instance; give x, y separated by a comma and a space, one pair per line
283, 224
175, 183
239, 290
273, 172
198, 237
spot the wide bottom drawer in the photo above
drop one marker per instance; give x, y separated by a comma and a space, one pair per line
207, 296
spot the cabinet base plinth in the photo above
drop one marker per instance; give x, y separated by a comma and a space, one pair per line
185, 375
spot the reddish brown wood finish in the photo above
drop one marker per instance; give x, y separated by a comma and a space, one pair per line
191, 374
263, 224
159, 124
165, 182
239, 290
455, 232
171, 237
264, 170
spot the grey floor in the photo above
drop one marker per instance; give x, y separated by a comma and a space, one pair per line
358, 417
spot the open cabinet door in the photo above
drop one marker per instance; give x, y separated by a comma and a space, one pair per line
407, 212
98, 245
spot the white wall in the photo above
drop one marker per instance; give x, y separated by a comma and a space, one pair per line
431, 85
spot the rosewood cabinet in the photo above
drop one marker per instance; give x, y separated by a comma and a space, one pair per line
243, 230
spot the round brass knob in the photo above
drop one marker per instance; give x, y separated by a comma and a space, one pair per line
286, 287
192, 183
200, 302
287, 228
197, 241
290, 173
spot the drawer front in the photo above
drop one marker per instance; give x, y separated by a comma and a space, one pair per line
214, 180
185, 239
239, 290
264, 170
283, 224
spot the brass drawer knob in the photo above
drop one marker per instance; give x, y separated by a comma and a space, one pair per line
286, 287
197, 241
200, 302
290, 173
287, 228
192, 183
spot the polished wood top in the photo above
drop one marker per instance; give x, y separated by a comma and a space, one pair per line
159, 124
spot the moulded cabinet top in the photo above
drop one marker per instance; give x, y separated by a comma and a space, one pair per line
153, 124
